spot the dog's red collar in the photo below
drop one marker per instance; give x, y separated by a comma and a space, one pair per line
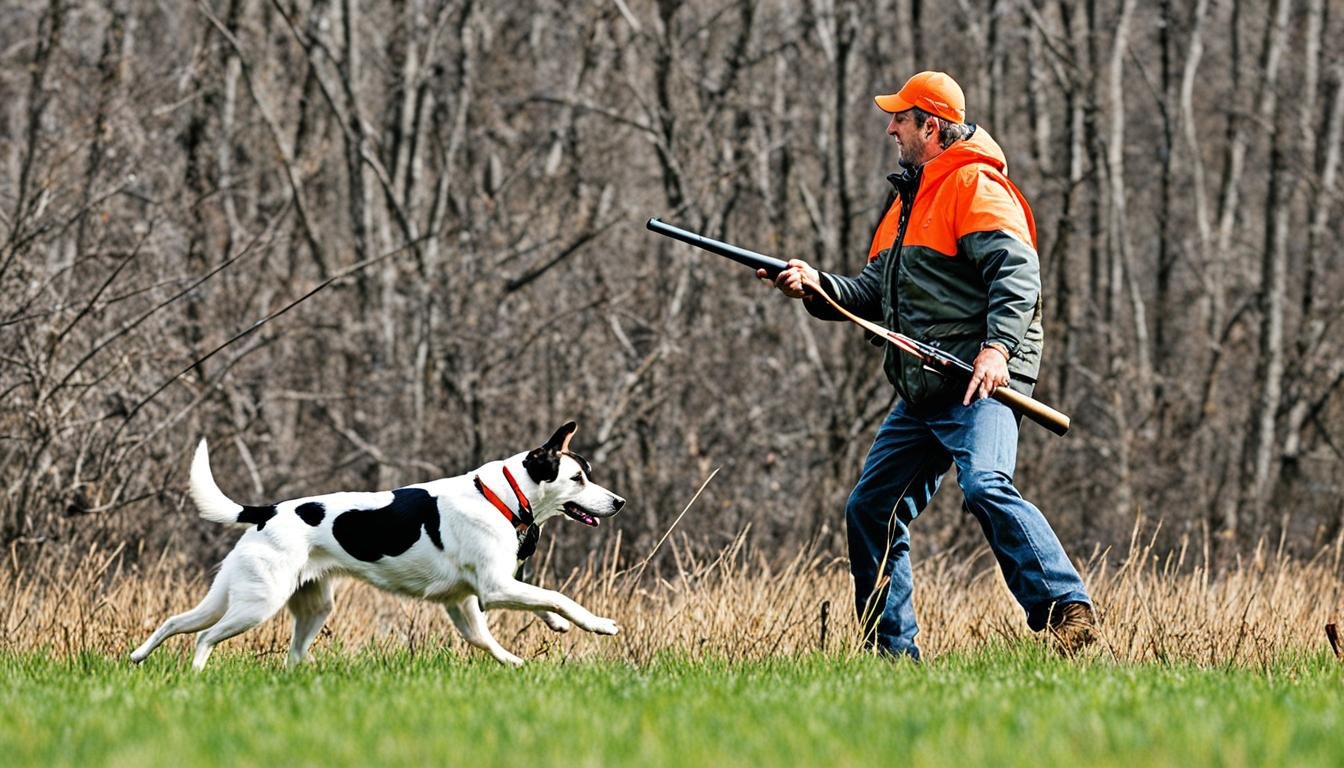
523, 521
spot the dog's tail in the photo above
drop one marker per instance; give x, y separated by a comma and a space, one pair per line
210, 501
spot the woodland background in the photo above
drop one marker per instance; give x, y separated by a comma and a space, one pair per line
468, 181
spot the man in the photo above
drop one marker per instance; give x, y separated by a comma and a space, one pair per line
953, 263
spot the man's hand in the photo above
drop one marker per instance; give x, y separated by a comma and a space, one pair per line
793, 279
990, 371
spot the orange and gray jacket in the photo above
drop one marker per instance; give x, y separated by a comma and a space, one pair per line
953, 264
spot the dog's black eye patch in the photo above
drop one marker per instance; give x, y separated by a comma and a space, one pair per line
258, 515
587, 468
371, 534
311, 513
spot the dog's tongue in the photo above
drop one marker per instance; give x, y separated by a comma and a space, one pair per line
575, 512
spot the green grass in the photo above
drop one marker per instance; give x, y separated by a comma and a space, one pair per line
1015, 706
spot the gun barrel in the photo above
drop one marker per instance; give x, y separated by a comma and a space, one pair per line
1033, 409
771, 265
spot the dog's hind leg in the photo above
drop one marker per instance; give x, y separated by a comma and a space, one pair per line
257, 589
310, 604
470, 622
203, 615
238, 619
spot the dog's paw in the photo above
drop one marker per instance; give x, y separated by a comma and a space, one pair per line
603, 626
556, 622
508, 659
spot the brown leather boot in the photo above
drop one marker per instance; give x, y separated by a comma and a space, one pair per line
1074, 627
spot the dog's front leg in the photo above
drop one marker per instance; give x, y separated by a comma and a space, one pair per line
526, 597
470, 622
555, 621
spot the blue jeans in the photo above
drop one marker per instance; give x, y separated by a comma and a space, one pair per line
912, 451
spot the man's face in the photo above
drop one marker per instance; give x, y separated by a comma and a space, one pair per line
911, 139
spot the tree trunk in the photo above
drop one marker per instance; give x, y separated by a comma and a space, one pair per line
1122, 271
1257, 454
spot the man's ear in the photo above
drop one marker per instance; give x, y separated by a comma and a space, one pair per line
543, 464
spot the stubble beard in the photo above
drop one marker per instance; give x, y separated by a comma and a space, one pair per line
907, 155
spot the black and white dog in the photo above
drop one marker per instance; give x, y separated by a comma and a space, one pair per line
454, 541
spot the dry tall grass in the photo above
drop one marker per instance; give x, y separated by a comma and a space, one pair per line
738, 605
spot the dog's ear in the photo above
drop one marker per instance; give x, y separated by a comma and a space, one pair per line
543, 464
560, 440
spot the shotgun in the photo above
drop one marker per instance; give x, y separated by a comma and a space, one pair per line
933, 358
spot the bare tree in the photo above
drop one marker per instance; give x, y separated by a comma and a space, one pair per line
358, 245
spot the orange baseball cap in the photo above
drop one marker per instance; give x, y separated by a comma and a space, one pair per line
934, 92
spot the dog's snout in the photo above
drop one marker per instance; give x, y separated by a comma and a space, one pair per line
617, 503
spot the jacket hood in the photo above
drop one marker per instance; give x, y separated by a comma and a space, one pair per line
979, 147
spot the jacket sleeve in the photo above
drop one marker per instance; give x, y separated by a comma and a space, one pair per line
992, 234
860, 294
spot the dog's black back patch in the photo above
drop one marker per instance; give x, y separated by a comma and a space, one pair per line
311, 513
371, 534
257, 515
